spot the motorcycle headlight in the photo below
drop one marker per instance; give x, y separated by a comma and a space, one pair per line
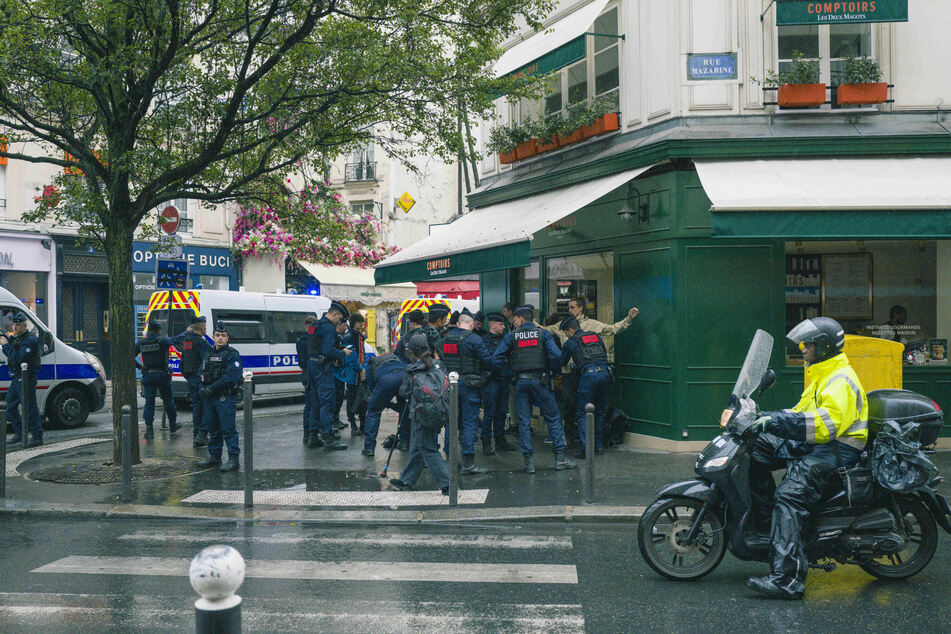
715, 463
96, 364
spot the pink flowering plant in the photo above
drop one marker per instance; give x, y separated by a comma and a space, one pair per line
313, 226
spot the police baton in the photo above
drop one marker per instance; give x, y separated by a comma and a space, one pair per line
451, 437
3, 449
248, 441
589, 453
24, 384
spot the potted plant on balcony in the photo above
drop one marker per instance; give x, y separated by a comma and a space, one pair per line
600, 118
523, 136
546, 130
861, 83
799, 86
500, 141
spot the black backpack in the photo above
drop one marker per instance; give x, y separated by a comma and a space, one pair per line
615, 426
430, 398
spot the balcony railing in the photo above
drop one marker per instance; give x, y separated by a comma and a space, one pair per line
357, 172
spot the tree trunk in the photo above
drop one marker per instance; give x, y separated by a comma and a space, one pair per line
119, 251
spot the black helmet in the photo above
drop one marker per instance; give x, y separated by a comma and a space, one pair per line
825, 332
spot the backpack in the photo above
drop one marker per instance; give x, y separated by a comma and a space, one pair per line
616, 425
430, 398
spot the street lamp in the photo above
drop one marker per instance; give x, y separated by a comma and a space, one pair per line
627, 211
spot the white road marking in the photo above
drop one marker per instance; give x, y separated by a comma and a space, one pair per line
15, 458
362, 538
339, 498
64, 611
342, 570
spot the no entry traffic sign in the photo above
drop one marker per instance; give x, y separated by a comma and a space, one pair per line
169, 219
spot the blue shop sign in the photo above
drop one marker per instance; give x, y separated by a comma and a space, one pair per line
201, 260
711, 66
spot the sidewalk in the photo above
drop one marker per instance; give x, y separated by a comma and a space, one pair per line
293, 483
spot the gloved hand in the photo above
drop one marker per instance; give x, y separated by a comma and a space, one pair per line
761, 424
204, 392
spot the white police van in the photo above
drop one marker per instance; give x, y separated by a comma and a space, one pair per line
263, 328
70, 383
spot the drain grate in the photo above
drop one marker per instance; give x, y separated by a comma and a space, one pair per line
95, 472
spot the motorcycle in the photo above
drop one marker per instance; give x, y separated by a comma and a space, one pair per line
685, 532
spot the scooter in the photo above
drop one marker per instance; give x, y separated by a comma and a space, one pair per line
684, 534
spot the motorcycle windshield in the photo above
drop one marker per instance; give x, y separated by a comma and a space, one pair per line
757, 361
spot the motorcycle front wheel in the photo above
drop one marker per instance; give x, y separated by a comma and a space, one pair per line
921, 540
661, 533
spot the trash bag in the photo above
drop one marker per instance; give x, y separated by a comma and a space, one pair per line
615, 426
898, 463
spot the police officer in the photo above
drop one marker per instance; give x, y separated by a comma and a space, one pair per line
302, 364
23, 347
479, 327
464, 352
587, 351
221, 374
495, 394
826, 430
384, 378
194, 350
438, 314
157, 376
322, 351
417, 319
534, 356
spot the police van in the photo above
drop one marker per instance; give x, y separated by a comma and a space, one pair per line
69, 385
263, 328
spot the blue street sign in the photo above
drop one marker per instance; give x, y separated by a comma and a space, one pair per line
171, 274
702, 67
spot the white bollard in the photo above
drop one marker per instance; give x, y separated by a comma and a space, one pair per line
216, 573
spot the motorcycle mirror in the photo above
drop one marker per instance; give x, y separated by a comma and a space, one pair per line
769, 377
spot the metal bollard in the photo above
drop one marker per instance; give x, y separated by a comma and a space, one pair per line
248, 441
3, 449
24, 418
216, 573
589, 453
126, 436
451, 436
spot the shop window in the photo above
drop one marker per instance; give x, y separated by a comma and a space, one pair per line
143, 285
215, 282
29, 288
529, 287
590, 276
898, 290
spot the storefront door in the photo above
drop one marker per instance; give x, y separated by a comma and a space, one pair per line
85, 318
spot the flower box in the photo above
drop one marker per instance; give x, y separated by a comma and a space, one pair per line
607, 123
574, 137
801, 95
861, 94
554, 144
526, 150
505, 158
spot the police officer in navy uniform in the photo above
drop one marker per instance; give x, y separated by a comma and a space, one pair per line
21, 347
464, 352
495, 393
221, 375
194, 349
534, 356
590, 356
322, 351
157, 376
384, 378
438, 314
479, 328
302, 364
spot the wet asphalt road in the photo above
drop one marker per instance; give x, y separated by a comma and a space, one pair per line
571, 578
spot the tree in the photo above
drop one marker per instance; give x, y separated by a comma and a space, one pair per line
145, 101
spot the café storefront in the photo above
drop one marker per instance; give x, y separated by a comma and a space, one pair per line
712, 239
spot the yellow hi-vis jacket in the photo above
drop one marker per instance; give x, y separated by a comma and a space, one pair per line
833, 407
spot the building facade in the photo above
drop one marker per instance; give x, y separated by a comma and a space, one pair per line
712, 208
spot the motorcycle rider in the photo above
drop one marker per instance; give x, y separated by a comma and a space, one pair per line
826, 430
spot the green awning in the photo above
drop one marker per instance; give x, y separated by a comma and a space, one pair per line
831, 225
496, 258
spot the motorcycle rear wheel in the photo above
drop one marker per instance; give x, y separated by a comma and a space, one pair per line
922, 535
660, 533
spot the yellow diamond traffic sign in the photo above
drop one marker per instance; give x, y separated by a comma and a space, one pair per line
405, 202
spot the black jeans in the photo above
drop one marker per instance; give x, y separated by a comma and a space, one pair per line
350, 394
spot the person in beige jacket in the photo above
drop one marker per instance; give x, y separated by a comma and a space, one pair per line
569, 380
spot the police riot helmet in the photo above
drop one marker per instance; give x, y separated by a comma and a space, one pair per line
825, 332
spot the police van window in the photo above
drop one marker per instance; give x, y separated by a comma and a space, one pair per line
181, 319
244, 326
286, 326
157, 316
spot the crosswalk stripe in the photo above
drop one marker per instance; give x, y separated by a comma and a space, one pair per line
16, 458
329, 570
135, 612
338, 498
361, 538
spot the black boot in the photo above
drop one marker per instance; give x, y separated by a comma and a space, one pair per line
487, 449
529, 462
149, 433
501, 444
333, 444
201, 440
562, 462
469, 466
314, 441
767, 587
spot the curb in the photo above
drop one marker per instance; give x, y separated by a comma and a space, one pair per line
581, 514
